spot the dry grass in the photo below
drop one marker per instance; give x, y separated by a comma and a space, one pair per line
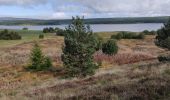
132, 74
127, 83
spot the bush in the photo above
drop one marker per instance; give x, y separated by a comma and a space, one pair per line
60, 32
41, 36
110, 47
146, 32
45, 30
80, 46
140, 36
163, 58
38, 61
6, 35
49, 30
118, 36
128, 35
152, 33
25, 28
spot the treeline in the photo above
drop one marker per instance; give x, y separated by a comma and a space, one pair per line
88, 21
9, 35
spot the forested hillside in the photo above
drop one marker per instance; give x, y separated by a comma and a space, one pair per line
126, 20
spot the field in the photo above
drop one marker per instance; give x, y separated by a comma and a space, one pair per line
27, 36
132, 74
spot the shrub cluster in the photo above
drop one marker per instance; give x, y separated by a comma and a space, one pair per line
25, 28
163, 58
49, 30
6, 35
128, 35
146, 32
38, 61
60, 32
110, 47
41, 36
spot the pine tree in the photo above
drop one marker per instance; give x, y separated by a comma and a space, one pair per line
163, 36
80, 45
38, 61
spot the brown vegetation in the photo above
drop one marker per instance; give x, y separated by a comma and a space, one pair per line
132, 74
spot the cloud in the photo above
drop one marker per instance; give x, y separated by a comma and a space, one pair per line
113, 8
99, 8
22, 2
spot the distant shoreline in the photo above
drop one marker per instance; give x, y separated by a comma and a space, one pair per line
138, 27
126, 20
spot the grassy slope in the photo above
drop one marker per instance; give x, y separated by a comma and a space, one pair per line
107, 84
27, 36
31, 35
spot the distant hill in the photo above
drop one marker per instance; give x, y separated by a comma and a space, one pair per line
13, 19
126, 20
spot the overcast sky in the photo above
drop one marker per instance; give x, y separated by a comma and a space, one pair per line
59, 9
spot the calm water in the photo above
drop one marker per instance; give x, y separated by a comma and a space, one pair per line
99, 27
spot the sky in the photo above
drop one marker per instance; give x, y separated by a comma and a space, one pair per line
64, 9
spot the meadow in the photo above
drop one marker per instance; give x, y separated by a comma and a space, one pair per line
132, 74
27, 36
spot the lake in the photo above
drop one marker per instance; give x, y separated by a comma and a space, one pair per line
98, 27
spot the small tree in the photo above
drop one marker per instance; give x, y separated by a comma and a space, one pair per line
47, 63
38, 61
80, 45
110, 47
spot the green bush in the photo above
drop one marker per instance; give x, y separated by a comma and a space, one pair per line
49, 30
140, 36
110, 47
152, 33
164, 58
146, 32
41, 36
60, 32
38, 61
80, 46
25, 28
128, 35
6, 35
119, 36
